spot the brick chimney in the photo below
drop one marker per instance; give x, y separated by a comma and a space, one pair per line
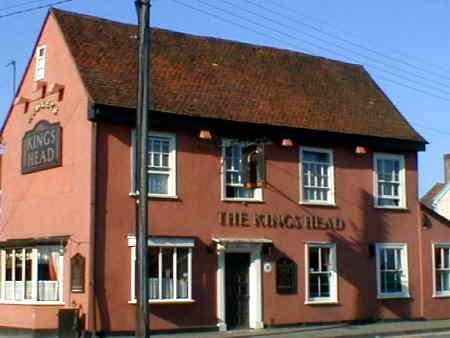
447, 168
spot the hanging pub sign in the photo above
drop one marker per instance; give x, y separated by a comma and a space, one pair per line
41, 147
77, 273
286, 276
253, 166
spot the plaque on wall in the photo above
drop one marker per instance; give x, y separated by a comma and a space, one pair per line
286, 276
77, 273
41, 147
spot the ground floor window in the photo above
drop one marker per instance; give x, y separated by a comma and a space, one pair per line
170, 269
442, 269
392, 270
32, 274
321, 279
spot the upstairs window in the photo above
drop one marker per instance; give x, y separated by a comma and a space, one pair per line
389, 181
31, 275
392, 270
317, 176
161, 164
232, 187
442, 270
41, 60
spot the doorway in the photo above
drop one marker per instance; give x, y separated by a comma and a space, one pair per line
237, 291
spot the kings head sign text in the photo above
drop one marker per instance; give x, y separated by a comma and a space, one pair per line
41, 147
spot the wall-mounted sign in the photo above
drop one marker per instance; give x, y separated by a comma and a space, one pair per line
286, 276
268, 267
41, 147
283, 221
77, 272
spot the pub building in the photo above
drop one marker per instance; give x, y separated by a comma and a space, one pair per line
277, 180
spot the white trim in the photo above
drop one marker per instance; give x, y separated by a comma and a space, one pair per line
405, 274
172, 173
258, 192
255, 285
31, 302
434, 246
331, 201
402, 179
40, 69
333, 299
169, 242
166, 301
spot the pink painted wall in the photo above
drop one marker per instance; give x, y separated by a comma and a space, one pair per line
54, 201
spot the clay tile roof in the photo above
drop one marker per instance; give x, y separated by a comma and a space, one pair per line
428, 198
214, 78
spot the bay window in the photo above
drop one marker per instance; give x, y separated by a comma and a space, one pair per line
321, 273
392, 270
232, 186
390, 181
317, 176
170, 269
31, 274
441, 271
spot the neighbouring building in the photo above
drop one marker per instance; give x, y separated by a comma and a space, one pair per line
438, 197
328, 226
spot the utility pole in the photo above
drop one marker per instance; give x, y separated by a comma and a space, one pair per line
13, 64
142, 122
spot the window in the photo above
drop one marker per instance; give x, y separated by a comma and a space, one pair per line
161, 164
389, 181
392, 270
317, 177
41, 56
232, 186
170, 269
31, 274
321, 277
442, 269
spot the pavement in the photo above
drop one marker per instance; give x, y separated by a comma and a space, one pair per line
398, 329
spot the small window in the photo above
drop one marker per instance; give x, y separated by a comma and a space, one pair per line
233, 189
392, 270
170, 269
161, 164
389, 181
317, 176
41, 60
442, 269
32, 275
321, 276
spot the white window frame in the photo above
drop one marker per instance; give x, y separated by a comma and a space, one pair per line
34, 274
41, 63
405, 274
435, 246
333, 299
163, 242
402, 179
172, 180
258, 192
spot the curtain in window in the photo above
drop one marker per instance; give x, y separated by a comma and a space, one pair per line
48, 273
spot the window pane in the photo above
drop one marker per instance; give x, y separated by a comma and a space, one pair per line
326, 259
167, 272
158, 183
182, 273
153, 272
48, 273
324, 285
314, 286
446, 255
9, 284
311, 156
28, 273
314, 259
18, 285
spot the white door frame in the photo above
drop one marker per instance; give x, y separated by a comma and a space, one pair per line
255, 285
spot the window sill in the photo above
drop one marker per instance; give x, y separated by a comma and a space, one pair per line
391, 208
166, 301
444, 295
152, 196
318, 204
12, 302
322, 302
242, 200
394, 296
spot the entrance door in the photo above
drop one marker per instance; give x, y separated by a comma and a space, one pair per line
237, 289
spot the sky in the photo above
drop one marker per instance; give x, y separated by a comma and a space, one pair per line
405, 45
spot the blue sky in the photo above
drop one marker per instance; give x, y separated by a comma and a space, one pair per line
406, 45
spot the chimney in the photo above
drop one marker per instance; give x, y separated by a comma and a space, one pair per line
447, 168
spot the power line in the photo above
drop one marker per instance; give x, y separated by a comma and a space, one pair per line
34, 8
407, 78
21, 4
